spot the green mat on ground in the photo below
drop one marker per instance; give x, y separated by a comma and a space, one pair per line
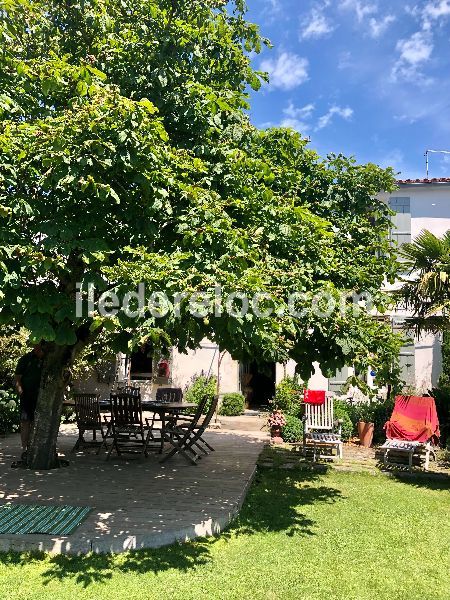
31, 518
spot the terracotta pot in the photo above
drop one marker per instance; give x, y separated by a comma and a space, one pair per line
275, 434
365, 433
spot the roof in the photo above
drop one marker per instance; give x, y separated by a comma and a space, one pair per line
424, 181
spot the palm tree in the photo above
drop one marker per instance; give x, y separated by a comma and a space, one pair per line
426, 290
426, 293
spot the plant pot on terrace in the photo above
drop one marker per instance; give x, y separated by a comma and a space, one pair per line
276, 421
365, 433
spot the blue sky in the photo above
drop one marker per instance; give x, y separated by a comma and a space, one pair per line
369, 78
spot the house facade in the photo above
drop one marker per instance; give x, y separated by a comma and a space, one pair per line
419, 204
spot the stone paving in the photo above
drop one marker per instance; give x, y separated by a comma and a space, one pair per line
136, 502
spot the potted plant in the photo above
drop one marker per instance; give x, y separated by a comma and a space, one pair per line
276, 421
365, 423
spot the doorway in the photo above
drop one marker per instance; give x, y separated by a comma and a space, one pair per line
257, 383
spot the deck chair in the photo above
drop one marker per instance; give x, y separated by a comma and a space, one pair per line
127, 429
88, 418
185, 440
320, 430
411, 431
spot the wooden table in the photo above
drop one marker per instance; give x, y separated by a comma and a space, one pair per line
168, 413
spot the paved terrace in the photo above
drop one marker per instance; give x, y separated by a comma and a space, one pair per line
136, 502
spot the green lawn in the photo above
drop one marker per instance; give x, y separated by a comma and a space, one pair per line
350, 536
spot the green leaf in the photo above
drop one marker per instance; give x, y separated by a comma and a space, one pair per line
65, 335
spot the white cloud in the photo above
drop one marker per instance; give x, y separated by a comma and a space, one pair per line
287, 71
271, 9
435, 10
295, 113
296, 118
395, 159
345, 60
361, 9
343, 112
378, 26
414, 51
316, 25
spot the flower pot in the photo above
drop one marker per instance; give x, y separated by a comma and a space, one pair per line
365, 433
275, 434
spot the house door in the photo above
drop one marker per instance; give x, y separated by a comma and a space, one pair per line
257, 383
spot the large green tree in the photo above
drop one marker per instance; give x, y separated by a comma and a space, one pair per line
127, 157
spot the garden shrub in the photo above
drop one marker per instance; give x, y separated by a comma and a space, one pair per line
9, 412
381, 412
343, 410
376, 412
293, 430
200, 387
441, 394
288, 395
232, 405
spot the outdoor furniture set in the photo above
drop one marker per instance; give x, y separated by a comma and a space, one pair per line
411, 432
124, 429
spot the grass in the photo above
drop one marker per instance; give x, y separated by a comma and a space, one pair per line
334, 535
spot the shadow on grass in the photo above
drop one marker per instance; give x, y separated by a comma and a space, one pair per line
275, 500
98, 568
273, 504
432, 481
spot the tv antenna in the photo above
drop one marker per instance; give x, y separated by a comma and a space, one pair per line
427, 152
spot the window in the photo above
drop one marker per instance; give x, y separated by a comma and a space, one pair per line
141, 363
401, 221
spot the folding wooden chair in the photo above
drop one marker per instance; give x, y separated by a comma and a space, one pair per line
88, 418
184, 439
127, 430
185, 420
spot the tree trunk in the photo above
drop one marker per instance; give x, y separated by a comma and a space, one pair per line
42, 453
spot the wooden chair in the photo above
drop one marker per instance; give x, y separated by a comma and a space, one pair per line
131, 390
320, 430
176, 421
186, 420
88, 418
167, 394
127, 430
164, 395
185, 439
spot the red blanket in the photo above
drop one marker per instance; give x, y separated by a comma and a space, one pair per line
414, 419
316, 397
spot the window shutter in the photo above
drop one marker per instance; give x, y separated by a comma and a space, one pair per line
407, 357
336, 383
401, 221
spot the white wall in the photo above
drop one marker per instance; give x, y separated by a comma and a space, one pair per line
430, 209
428, 361
185, 366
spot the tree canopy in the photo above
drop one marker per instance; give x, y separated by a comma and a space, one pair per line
127, 156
